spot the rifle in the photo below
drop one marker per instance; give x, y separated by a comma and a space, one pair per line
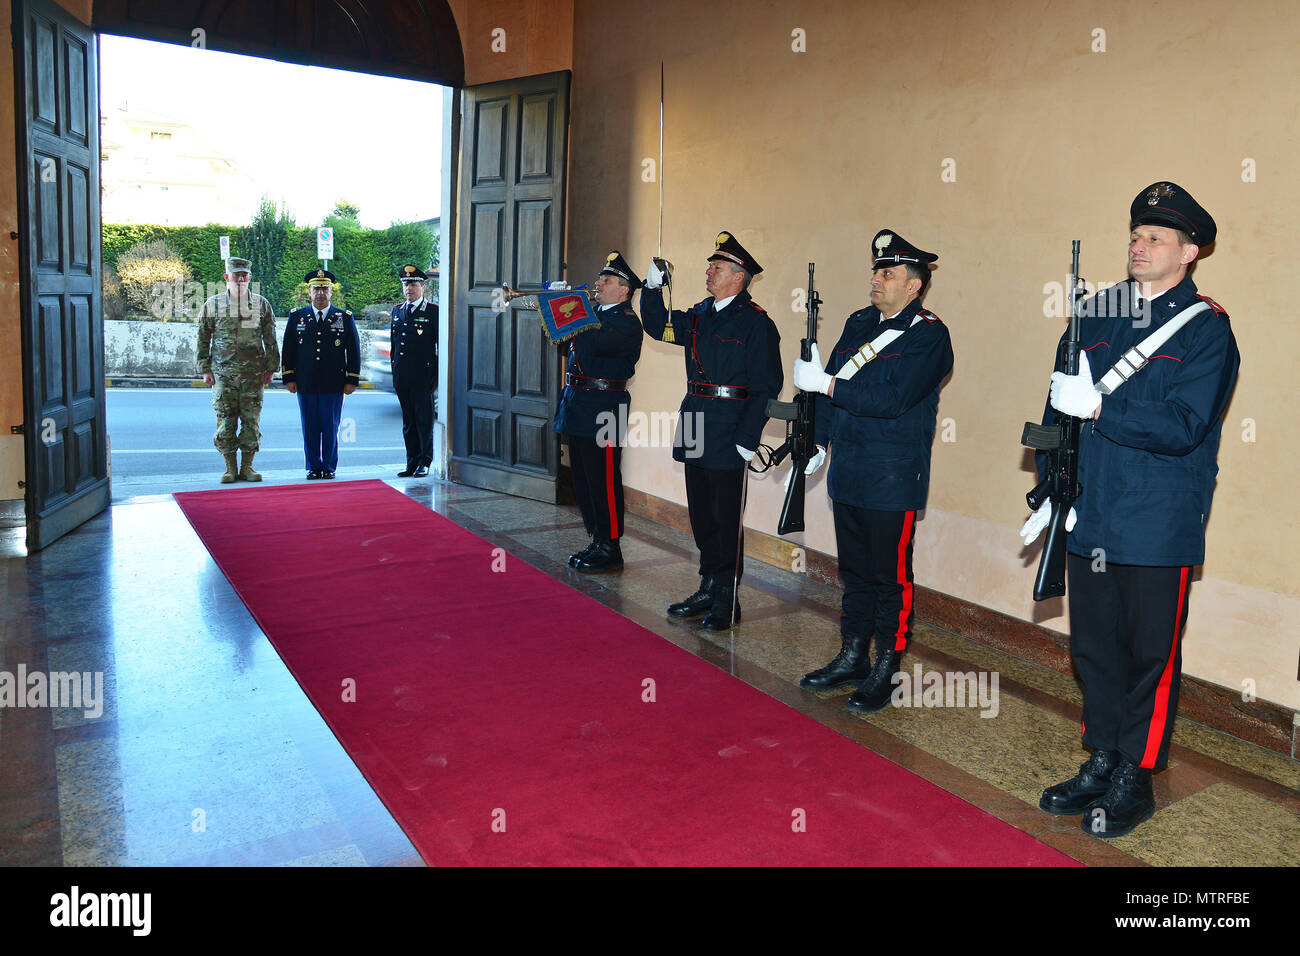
799, 418
1061, 442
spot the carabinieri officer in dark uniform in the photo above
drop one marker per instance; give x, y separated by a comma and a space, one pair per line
876, 409
593, 410
1147, 466
322, 363
733, 366
414, 356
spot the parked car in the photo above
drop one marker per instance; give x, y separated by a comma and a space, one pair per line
379, 369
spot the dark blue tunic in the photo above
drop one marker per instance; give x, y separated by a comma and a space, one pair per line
1147, 465
321, 356
879, 427
738, 346
609, 352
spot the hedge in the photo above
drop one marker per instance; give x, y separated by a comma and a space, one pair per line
282, 253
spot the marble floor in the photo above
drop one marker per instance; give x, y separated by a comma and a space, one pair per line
200, 749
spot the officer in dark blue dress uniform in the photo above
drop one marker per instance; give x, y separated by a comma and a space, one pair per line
593, 410
877, 402
322, 363
414, 357
733, 367
1147, 466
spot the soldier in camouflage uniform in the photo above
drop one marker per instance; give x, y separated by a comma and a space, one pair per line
238, 355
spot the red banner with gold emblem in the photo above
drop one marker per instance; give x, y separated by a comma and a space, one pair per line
565, 314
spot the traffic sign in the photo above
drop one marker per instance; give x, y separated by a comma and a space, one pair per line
225, 248
325, 243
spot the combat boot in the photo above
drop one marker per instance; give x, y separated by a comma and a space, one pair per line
1084, 788
605, 556
875, 692
1129, 802
697, 604
246, 472
720, 616
852, 665
577, 556
232, 469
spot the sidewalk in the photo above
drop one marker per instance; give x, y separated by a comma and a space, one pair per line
184, 383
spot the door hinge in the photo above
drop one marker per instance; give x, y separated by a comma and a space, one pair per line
15, 429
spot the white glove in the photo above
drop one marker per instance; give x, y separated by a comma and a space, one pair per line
810, 469
809, 377
654, 276
745, 453
1038, 521
1075, 394
558, 285
815, 462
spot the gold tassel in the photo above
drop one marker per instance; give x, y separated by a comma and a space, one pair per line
668, 331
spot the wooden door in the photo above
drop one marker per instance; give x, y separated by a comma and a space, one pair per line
505, 373
62, 323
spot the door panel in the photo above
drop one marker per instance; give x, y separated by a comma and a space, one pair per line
63, 339
506, 372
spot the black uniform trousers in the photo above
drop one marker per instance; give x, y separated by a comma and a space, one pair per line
875, 555
1126, 629
713, 503
417, 423
598, 486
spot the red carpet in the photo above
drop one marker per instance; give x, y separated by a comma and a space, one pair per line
500, 716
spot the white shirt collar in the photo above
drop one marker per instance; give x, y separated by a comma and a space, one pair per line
720, 304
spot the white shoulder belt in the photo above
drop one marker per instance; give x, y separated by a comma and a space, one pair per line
1132, 361
871, 350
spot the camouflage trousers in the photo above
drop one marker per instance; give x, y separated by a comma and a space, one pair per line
237, 400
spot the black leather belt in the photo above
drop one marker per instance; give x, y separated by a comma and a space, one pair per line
597, 384
740, 392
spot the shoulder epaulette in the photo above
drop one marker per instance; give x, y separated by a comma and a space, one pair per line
929, 316
757, 306
1218, 309
347, 311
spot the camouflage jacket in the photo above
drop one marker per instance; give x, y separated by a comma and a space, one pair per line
232, 343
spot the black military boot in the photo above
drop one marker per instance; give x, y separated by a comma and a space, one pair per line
720, 616
697, 604
852, 665
579, 555
1089, 784
605, 556
1129, 802
876, 690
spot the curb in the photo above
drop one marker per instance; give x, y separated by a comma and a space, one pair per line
186, 383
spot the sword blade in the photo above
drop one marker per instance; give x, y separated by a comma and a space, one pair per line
740, 536
659, 170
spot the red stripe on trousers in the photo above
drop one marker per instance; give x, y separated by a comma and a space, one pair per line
900, 636
609, 492
1160, 718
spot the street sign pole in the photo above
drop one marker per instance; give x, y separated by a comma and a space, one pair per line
325, 245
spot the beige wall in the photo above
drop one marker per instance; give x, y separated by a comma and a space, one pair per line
805, 155
538, 37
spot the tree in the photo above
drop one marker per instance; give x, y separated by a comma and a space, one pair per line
267, 237
345, 212
150, 274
